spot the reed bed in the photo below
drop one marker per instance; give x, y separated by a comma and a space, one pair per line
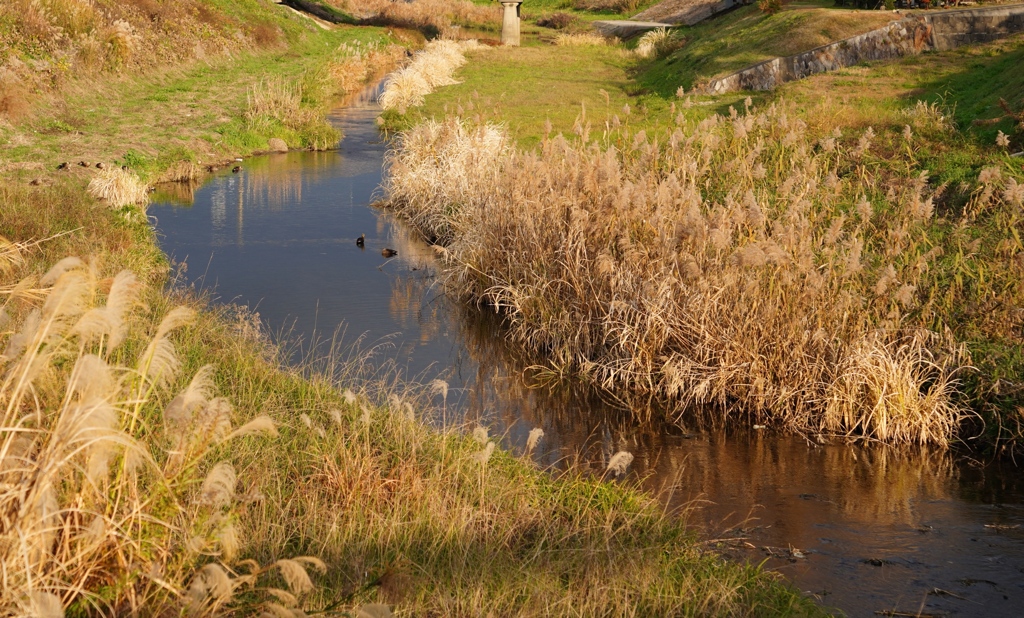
740, 265
431, 67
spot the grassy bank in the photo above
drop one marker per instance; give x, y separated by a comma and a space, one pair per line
157, 459
840, 257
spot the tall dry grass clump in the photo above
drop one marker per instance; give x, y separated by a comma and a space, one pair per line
580, 39
112, 495
118, 187
435, 17
739, 264
653, 43
431, 67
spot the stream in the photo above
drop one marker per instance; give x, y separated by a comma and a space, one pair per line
865, 529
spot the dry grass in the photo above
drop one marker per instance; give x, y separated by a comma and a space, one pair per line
653, 43
743, 263
118, 187
436, 17
580, 39
431, 67
181, 171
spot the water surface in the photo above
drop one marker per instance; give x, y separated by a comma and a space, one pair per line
865, 529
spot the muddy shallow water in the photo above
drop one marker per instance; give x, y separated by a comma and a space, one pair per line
865, 529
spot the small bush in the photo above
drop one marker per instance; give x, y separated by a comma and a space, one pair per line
557, 21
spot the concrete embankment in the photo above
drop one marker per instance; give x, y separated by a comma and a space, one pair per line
940, 30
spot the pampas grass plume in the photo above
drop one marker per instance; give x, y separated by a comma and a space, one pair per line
531, 441
619, 462
219, 487
484, 455
294, 575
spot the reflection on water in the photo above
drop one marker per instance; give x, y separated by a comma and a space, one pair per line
867, 529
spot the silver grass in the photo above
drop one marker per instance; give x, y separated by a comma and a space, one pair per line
159, 362
109, 321
335, 415
533, 439
480, 434
295, 575
439, 387
45, 605
273, 610
227, 538
95, 533
219, 486
312, 561
260, 424
211, 584
374, 610
213, 422
181, 412
484, 455
57, 270
619, 462
283, 596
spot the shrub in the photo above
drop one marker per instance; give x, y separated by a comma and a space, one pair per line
557, 21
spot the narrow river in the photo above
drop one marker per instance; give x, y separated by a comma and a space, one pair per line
865, 529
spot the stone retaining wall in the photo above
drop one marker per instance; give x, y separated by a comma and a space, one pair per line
938, 30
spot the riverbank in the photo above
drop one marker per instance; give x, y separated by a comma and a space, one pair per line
158, 456
803, 259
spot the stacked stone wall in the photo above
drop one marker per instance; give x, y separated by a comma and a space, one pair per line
911, 35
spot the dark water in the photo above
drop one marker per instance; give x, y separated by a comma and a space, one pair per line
863, 528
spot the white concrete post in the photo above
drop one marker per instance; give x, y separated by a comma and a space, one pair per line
510, 22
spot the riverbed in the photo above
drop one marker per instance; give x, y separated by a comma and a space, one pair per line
865, 529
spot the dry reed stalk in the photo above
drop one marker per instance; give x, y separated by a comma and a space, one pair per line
430, 68
119, 187
724, 265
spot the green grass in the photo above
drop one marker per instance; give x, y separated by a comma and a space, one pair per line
194, 111
526, 87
